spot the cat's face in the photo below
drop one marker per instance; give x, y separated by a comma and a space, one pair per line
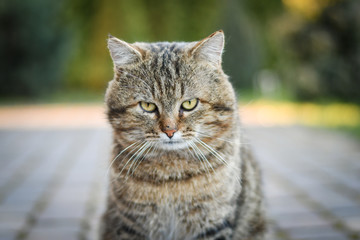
170, 96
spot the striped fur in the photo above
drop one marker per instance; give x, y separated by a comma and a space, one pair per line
209, 190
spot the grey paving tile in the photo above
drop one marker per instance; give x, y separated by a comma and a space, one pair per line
324, 238
53, 234
8, 234
353, 223
65, 224
286, 205
64, 211
313, 168
19, 154
315, 232
286, 221
272, 190
330, 199
346, 211
12, 221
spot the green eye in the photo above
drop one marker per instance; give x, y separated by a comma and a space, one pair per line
148, 107
189, 104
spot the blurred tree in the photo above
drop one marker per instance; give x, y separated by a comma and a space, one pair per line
247, 24
137, 20
311, 50
328, 48
33, 47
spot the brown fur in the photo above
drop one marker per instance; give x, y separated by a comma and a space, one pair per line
161, 188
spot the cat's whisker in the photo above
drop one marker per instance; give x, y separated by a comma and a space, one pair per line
191, 143
139, 147
218, 156
203, 156
214, 152
197, 157
138, 155
222, 139
152, 144
117, 156
130, 152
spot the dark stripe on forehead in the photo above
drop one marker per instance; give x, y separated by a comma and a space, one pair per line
162, 46
172, 47
153, 48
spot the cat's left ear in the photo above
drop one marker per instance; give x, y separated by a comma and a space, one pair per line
123, 53
210, 49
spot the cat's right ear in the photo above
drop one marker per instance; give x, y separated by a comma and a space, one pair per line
121, 52
210, 49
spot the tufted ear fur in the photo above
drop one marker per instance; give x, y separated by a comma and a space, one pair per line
210, 49
121, 52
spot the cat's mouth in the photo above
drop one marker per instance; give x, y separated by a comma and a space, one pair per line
172, 145
172, 142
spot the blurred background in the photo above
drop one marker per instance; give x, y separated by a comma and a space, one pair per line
295, 65
280, 50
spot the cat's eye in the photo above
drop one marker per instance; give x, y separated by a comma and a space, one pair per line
189, 104
148, 107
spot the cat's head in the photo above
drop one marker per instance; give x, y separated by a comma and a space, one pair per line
170, 95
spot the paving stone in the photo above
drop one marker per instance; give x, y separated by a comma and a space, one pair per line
53, 234
20, 154
65, 224
286, 221
324, 238
12, 221
272, 190
313, 168
330, 199
353, 223
314, 232
8, 234
286, 205
343, 212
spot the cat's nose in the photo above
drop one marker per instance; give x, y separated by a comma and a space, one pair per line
169, 127
169, 132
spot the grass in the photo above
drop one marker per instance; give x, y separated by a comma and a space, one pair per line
344, 117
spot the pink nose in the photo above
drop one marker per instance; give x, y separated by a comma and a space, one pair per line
170, 132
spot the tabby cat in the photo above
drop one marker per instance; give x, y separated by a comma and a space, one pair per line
179, 169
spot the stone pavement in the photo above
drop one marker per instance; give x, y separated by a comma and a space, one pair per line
52, 183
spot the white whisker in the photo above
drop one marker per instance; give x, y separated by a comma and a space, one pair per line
212, 151
197, 156
152, 144
132, 156
203, 156
137, 156
222, 139
112, 162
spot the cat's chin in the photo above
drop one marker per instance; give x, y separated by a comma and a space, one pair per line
172, 145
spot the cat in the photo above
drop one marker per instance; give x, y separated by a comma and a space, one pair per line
179, 169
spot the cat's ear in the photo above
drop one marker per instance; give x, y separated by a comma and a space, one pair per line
210, 49
122, 53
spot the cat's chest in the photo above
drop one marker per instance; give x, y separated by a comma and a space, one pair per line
168, 222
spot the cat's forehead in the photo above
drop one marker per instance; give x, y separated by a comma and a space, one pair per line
166, 69
158, 48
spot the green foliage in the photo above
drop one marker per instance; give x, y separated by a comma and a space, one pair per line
33, 47
49, 46
329, 48
137, 20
